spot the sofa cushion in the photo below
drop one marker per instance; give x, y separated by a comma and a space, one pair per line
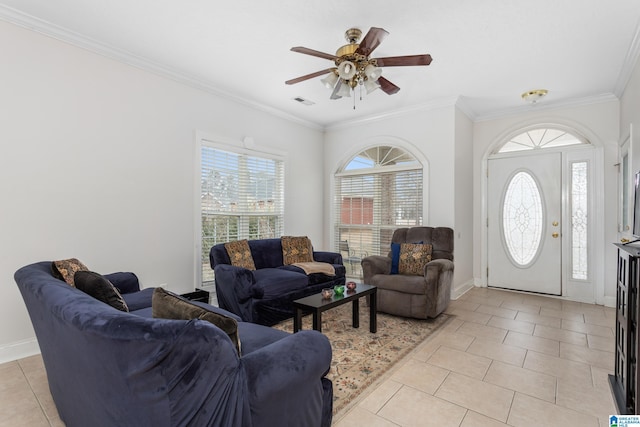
65, 269
413, 258
100, 288
139, 300
296, 249
255, 337
276, 282
167, 305
240, 254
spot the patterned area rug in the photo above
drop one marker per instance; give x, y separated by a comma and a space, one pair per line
360, 357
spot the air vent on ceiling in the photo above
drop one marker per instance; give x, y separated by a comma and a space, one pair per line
303, 101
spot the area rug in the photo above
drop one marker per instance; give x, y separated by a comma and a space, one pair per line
360, 357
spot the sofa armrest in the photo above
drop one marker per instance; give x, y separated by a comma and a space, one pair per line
125, 282
436, 268
235, 287
329, 257
375, 264
438, 276
291, 367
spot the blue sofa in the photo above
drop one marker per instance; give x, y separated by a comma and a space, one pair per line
107, 367
264, 295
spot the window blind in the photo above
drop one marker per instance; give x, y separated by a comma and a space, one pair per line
370, 204
241, 197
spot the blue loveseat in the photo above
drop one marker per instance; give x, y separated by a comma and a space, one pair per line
107, 367
264, 295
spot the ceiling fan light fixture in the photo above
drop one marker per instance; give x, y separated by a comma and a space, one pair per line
346, 70
371, 85
533, 96
330, 81
344, 91
372, 72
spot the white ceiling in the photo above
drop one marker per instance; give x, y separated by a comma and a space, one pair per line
485, 53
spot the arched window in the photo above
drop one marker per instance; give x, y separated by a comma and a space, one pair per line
536, 139
377, 191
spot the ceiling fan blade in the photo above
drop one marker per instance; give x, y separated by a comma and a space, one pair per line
387, 87
371, 41
399, 61
308, 76
312, 52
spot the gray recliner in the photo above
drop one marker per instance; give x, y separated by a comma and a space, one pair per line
410, 295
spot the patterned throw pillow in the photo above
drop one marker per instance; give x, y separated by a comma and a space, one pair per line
413, 258
240, 254
66, 269
167, 305
296, 249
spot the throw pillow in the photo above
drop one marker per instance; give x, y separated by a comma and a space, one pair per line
167, 305
413, 258
66, 269
296, 249
395, 257
100, 288
240, 254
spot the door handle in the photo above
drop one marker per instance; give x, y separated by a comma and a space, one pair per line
623, 240
555, 235
554, 223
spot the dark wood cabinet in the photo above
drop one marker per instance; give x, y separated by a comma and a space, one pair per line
624, 382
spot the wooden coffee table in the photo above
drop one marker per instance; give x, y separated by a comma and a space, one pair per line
316, 305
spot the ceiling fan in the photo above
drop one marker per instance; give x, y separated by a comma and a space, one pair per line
353, 65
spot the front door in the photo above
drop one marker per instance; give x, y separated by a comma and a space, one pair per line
524, 223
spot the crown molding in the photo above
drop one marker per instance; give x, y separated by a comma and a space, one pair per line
67, 36
431, 105
547, 106
630, 60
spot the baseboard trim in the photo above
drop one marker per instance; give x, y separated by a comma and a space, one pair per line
461, 289
609, 301
18, 350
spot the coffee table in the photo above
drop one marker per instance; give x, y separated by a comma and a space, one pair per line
317, 304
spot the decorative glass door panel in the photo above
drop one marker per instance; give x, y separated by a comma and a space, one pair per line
522, 218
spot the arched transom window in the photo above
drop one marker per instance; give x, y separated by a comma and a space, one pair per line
377, 191
540, 138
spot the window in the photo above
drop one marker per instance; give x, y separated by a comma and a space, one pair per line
241, 197
540, 138
378, 191
579, 220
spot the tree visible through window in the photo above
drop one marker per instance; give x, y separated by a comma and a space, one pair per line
241, 197
377, 191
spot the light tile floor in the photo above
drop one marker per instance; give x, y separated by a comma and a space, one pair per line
505, 359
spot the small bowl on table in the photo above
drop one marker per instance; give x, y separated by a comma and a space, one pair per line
351, 286
327, 293
338, 290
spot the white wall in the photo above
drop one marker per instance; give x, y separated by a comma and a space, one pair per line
597, 122
433, 135
463, 208
97, 162
630, 116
